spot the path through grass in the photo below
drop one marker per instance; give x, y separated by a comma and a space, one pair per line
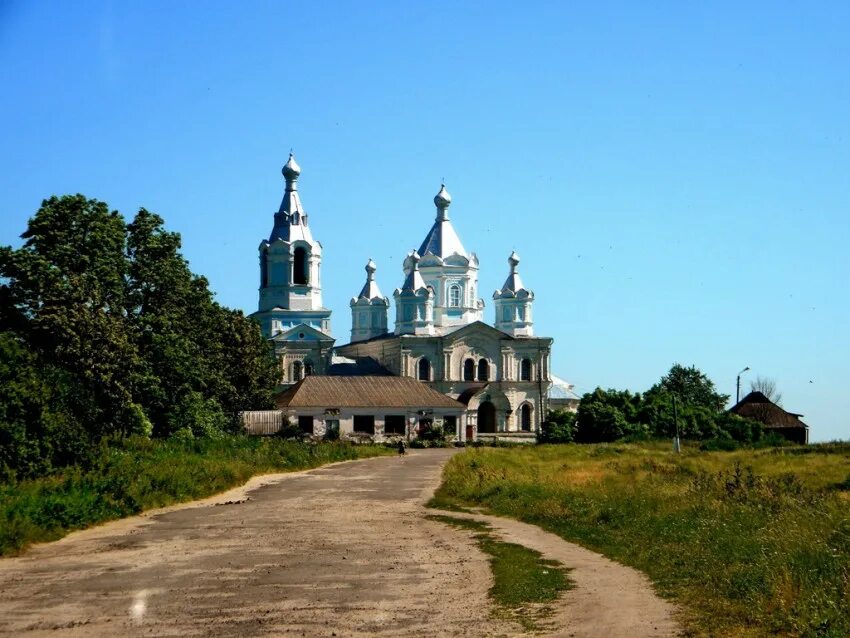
750, 543
523, 581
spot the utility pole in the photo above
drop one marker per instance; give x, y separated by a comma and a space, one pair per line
738, 385
677, 448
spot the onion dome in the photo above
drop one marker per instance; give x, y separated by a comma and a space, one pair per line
442, 199
370, 289
291, 170
513, 260
513, 284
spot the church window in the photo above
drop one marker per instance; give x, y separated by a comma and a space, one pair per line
525, 417
408, 313
424, 371
469, 370
454, 296
483, 370
525, 370
506, 313
308, 367
300, 267
297, 371
521, 311
264, 269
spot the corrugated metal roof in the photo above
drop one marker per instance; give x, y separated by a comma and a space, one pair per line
363, 392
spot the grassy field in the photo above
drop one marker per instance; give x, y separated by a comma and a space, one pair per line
138, 474
749, 543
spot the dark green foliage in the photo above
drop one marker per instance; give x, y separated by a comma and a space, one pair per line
106, 332
611, 415
691, 386
432, 433
608, 416
558, 428
291, 432
126, 476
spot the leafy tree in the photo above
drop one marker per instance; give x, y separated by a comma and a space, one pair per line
558, 427
201, 362
38, 430
104, 330
65, 289
691, 387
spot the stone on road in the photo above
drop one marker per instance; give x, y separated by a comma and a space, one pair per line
342, 550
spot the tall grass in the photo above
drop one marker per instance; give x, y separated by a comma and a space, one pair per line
132, 475
751, 543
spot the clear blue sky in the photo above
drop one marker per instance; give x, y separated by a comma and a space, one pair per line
676, 177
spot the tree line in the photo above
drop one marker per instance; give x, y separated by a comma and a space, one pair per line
685, 398
106, 332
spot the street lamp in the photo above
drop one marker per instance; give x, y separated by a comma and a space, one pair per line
738, 385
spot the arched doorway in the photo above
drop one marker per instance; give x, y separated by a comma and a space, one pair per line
525, 417
486, 418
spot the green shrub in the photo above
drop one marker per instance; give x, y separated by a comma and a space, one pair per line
558, 428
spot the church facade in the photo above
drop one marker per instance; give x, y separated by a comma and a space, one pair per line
500, 373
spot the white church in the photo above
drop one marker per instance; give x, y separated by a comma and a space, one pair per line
473, 379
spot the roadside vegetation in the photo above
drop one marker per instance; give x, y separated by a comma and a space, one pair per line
523, 581
749, 543
106, 333
684, 400
121, 377
126, 476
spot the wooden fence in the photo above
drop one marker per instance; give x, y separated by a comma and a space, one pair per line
262, 422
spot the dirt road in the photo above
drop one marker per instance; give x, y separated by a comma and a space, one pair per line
343, 550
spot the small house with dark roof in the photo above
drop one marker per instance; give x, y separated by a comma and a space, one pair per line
373, 407
758, 407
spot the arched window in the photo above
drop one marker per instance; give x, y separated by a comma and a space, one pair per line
300, 267
525, 417
424, 372
308, 367
525, 370
297, 371
469, 370
454, 296
483, 370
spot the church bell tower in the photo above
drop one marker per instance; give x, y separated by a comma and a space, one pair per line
290, 267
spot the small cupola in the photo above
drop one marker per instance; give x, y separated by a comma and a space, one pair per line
369, 309
513, 303
414, 301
